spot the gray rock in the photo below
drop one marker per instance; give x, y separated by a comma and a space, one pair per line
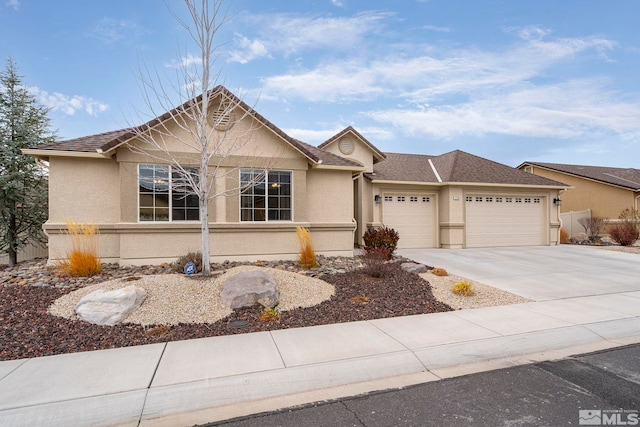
250, 287
413, 267
109, 308
581, 237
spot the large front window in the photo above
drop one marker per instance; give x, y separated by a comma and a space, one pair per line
265, 196
165, 194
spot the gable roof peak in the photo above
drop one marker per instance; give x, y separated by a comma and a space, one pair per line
377, 154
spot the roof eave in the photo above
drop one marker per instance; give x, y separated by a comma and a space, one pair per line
45, 154
599, 181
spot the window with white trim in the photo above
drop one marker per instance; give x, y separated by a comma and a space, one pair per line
518, 199
508, 200
498, 199
388, 198
469, 199
489, 199
426, 199
401, 198
478, 199
164, 194
536, 200
527, 200
413, 198
266, 196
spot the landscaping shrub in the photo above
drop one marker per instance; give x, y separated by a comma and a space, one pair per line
625, 234
383, 237
194, 257
463, 288
592, 226
269, 315
82, 260
439, 271
375, 261
564, 236
307, 253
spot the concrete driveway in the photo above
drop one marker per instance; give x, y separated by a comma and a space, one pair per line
540, 273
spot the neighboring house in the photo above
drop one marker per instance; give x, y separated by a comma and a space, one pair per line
603, 190
337, 190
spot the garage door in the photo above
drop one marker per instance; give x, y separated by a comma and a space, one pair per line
498, 220
413, 217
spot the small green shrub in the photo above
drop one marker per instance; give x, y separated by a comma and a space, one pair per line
375, 261
463, 288
383, 237
194, 257
625, 234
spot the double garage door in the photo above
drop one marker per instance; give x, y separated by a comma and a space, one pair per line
498, 220
490, 220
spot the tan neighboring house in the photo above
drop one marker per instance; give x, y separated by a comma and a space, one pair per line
337, 190
606, 191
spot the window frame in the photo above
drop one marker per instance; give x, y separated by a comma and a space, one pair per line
170, 194
265, 179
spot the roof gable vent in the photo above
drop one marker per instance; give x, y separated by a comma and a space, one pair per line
346, 146
220, 119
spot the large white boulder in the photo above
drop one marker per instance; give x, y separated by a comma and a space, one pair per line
109, 308
249, 287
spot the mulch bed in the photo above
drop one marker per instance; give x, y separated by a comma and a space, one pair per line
27, 330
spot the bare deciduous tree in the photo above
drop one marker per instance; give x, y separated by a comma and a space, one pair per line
198, 138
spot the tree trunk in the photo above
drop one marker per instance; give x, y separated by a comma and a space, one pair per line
13, 241
204, 231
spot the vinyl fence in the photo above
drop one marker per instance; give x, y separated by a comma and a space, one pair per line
27, 253
570, 221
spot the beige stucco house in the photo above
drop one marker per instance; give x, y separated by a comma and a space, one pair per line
606, 191
337, 190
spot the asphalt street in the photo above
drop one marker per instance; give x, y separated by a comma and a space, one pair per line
601, 388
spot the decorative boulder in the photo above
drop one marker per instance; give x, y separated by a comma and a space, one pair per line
581, 237
109, 308
413, 267
249, 287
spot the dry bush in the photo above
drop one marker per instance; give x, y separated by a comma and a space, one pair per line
194, 257
307, 253
375, 261
593, 226
463, 288
564, 236
439, 271
82, 260
625, 234
158, 331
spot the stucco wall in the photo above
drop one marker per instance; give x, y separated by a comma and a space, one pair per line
83, 190
604, 200
329, 195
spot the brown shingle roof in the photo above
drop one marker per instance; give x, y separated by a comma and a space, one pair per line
622, 177
455, 166
110, 140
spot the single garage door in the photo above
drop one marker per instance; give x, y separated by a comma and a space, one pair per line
413, 217
498, 220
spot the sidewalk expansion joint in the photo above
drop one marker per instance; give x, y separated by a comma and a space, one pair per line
155, 371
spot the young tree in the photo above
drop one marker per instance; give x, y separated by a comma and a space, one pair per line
23, 184
204, 125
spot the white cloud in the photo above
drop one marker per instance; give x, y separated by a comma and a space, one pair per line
437, 29
184, 62
337, 3
249, 50
575, 109
110, 30
287, 34
68, 105
15, 4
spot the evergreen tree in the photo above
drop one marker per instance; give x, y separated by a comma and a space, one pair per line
23, 183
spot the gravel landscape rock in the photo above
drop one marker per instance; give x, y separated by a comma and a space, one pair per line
27, 291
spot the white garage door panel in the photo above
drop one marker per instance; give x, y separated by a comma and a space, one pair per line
504, 221
413, 217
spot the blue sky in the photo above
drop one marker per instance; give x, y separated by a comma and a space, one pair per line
512, 81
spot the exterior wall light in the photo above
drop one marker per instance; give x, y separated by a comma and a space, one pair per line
557, 202
377, 198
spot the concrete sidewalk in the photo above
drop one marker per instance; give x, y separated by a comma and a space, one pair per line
209, 379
